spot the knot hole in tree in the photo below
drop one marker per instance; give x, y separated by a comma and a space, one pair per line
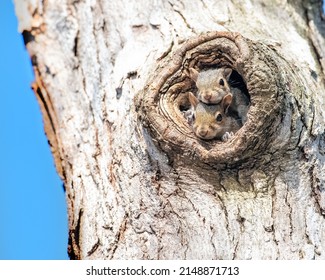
257, 70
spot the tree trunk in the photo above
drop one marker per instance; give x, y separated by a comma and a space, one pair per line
111, 79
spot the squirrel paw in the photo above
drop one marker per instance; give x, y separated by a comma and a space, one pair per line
227, 136
189, 116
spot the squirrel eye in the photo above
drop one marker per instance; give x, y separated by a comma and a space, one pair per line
219, 118
221, 82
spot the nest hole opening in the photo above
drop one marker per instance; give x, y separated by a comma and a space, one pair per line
165, 107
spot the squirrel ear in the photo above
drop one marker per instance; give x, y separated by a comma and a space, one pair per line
193, 100
193, 74
226, 101
227, 72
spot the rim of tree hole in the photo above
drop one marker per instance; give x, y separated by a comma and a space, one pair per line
165, 96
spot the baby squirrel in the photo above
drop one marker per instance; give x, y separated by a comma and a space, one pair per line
211, 121
213, 86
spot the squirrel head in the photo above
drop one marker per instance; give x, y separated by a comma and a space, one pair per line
212, 84
211, 121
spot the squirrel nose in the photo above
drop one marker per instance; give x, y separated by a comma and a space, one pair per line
208, 96
203, 132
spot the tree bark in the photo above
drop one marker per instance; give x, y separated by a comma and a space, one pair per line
111, 79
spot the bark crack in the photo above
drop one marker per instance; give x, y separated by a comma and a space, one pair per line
94, 248
119, 236
316, 32
51, 125
74, 237
182, 17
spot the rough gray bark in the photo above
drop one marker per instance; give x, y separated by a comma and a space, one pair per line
110, 76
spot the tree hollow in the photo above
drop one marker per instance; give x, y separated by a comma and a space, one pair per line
166, 93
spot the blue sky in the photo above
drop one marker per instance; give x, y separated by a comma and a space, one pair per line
33, 216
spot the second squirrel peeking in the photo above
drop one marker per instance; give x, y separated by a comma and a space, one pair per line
218, 110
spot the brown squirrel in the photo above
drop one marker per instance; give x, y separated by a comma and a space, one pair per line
213, 86
210, 121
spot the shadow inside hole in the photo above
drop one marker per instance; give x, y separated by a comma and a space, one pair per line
186, 110
183, 107
237, 81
